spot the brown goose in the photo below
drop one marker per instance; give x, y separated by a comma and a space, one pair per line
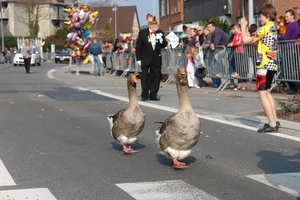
180, 132
126, 124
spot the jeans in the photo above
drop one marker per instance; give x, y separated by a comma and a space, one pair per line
78, 63
200, 74
231, 69
97, 64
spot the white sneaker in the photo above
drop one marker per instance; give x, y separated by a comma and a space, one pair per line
78, 74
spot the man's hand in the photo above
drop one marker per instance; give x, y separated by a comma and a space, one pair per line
139, 62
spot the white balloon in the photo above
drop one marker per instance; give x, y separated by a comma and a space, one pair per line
81, 14
69, 35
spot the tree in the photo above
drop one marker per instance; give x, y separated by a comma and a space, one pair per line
100, 3
30, 13
105, 33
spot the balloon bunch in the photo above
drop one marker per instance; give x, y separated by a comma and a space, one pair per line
81, 20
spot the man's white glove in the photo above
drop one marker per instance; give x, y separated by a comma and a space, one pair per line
159, 37
139, 62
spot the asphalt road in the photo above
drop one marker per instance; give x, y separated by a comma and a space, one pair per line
55, 141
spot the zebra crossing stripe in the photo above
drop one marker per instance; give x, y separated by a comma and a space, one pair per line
5, 178
28, 194
166, 190
287, 182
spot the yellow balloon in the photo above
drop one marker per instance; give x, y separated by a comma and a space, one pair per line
87, 59
78, 53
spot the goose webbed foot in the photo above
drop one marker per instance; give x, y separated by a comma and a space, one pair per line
179, 165
129, 150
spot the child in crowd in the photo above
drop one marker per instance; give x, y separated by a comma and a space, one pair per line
266, 67
190, 68
200, 68
240, 58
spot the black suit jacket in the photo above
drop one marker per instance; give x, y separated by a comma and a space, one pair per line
144, 50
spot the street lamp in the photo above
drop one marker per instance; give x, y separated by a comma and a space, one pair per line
115, 8
154, 7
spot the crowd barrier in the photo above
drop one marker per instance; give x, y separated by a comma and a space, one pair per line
222, 62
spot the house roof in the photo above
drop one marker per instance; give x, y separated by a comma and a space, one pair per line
125, 17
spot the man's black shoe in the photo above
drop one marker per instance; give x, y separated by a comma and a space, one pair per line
268, 128
144, 99
154, 99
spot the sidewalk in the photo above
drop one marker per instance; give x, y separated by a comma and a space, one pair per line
230, 106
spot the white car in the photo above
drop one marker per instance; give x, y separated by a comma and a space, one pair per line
36, 58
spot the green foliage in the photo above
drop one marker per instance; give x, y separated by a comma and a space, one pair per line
106, 33
33, 29
62, 32
9, 41
58, 38
222, 24
292, 106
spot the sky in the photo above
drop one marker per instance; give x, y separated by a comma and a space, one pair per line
143, 7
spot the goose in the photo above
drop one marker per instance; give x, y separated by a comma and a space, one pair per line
127, 123
180, 131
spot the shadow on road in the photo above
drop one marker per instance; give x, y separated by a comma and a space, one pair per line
275, 164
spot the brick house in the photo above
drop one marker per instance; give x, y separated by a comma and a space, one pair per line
175, 12
280, 5
171, 13
126, 21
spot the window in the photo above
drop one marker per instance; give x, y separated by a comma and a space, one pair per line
176, 6
162, 8
168, 7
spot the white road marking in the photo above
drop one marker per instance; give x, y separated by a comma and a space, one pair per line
174, 110
5, 178
49, 74
287, 182
166, 190
28, 194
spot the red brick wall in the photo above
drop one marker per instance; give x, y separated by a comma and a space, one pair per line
280, 5
174, 18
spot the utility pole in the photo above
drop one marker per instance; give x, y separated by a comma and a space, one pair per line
2, 27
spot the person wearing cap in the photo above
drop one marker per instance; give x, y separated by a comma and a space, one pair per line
148, 55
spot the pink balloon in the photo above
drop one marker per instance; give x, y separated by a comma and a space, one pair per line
74, 36
75, 17
87, 44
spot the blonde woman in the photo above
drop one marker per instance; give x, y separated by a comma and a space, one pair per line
26, 52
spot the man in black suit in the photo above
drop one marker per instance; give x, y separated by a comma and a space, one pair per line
148, 55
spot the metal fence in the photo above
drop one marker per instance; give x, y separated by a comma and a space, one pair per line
222, 62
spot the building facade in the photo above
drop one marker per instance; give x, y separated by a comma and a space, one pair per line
52, 16
175, 12
242, 8
195, 10
171, 13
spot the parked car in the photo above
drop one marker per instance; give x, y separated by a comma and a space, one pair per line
36, 58
60, 56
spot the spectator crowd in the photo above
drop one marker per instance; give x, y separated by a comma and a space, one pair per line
206, 38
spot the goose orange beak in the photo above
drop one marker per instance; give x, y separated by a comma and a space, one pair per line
133, 79
182, 72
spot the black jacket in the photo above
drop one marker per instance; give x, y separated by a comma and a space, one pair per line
144, 50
